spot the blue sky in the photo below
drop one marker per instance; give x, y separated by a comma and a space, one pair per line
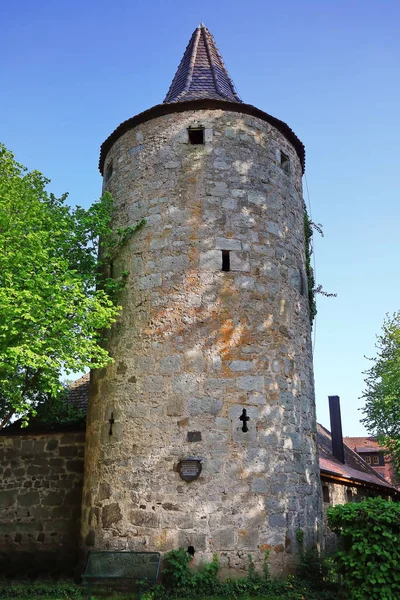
72, 71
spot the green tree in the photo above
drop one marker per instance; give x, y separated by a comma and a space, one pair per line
382, 393
54, 302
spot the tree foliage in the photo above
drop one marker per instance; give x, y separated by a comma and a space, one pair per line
54, 304
382, 392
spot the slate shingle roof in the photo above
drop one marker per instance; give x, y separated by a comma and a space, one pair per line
201, 72
201, 82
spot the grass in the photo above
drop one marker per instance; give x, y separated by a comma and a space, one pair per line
40, 590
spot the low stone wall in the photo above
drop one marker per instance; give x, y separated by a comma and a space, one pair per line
41, 478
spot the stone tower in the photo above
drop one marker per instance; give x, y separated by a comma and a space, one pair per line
201, 434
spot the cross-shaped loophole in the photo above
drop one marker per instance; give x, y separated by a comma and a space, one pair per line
244, 418
111, 421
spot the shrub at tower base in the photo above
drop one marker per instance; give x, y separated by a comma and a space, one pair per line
185, 581
369, 558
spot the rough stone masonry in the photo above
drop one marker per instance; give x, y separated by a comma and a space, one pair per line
40, 502
196, 345
201, 434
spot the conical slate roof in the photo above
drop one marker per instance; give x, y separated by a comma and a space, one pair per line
201, 73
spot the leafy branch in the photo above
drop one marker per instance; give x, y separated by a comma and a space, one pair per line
313, 289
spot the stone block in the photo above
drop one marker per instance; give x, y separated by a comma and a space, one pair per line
228, 244
257, 198
256, 398
241, 365
29, 499
259, 485
199, 406
178, 520
7, 498
224, 539
218, 188
274, 228
208, 135
153, 384
197, 540
278, 520
111, 514
26, 448
173, 263
270, 270
171, 364
211, 260
239, 261
230, 132
245, 282
295, 279
175, 406
51, 445
250, 383
68, 451
142, 518
52, 499
184, 384
135, 149
216, 386
149, 281
247, 539
75, 466
195, 360
286, 400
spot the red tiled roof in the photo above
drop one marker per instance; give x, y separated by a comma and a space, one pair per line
363, 444
79, 392
201, 72
355, 468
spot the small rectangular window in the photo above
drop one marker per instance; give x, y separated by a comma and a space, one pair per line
196, 135
375, 460
226, 260
349, 495
325, 493
368, 459
285, 162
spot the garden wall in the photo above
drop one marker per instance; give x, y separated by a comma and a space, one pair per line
41, 479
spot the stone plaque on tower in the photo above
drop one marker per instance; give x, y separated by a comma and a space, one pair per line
190, 468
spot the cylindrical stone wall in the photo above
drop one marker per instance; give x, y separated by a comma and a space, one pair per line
195, 345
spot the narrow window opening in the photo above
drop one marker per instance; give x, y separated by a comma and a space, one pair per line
349, 495
191, 550
109, 171
285, 162
325, 493
226, 260
368, 460
196, 135
375, 460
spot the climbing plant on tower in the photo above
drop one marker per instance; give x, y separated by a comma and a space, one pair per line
55, 301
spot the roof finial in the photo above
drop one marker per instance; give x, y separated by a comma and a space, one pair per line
202, 26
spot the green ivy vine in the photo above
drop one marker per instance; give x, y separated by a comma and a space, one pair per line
308, 233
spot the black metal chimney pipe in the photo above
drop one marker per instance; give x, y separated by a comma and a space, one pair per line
336, 428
